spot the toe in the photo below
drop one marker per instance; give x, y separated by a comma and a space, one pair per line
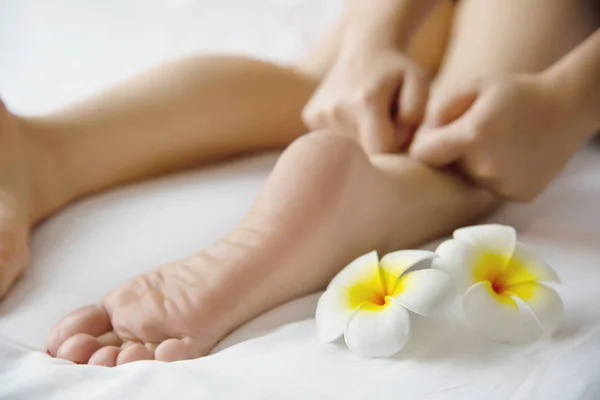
176, 350
79, 348
106, 356
91, 320
135, 352
110, 339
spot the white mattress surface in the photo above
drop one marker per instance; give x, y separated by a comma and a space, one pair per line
53, 52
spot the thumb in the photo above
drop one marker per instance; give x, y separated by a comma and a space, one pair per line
443, 139
441, 146
445, 111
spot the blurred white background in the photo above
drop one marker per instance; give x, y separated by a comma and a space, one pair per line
52, 52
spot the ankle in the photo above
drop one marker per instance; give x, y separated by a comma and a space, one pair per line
47, 163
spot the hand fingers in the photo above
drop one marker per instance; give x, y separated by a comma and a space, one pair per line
445, 135
317, 119
334, 117
412, 103
440, 146
377, 132
450, 109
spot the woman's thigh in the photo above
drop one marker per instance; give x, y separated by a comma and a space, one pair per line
491, 38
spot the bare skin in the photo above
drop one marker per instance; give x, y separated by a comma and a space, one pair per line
29, 189
372, 75
142, 128
297, 235
179, 115
554, 112
182, 310
15, 202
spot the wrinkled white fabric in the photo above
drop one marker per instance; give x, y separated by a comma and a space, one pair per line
53, 52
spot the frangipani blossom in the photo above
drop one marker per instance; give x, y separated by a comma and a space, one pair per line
493, 270
368, 300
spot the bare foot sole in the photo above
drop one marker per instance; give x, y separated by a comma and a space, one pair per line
324, 204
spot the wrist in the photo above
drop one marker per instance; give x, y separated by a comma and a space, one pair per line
571, 103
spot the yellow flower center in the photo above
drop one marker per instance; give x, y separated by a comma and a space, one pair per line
503, 275
373, 291
491, 267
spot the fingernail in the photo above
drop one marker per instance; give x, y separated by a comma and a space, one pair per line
48, 352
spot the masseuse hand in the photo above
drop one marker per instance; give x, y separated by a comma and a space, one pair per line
512, 135
378, 96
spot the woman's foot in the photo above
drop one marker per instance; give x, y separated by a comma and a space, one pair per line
323, 205
27, 190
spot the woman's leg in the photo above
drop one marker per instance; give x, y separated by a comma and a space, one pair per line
491, 38
426, 47
181, 114
324, 204
298, 234
264, 261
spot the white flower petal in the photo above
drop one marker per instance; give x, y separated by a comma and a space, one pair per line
544, 303
378, 331
332, 315
525, 266
492, 238
393, 265
458, 259
360, 270
425, 291
497, 317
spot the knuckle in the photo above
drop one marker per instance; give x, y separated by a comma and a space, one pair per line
470, 137
336, 112
310, 115
365, 97
485, 170
322, 116
475, 131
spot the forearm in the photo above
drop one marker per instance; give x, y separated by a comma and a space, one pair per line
382, 23
577, 77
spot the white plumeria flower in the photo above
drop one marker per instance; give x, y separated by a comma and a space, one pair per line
493, 269
368, 301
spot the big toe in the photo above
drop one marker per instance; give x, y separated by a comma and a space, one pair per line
90, 320
78, 348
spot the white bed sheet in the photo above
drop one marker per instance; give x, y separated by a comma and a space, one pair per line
56, 51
